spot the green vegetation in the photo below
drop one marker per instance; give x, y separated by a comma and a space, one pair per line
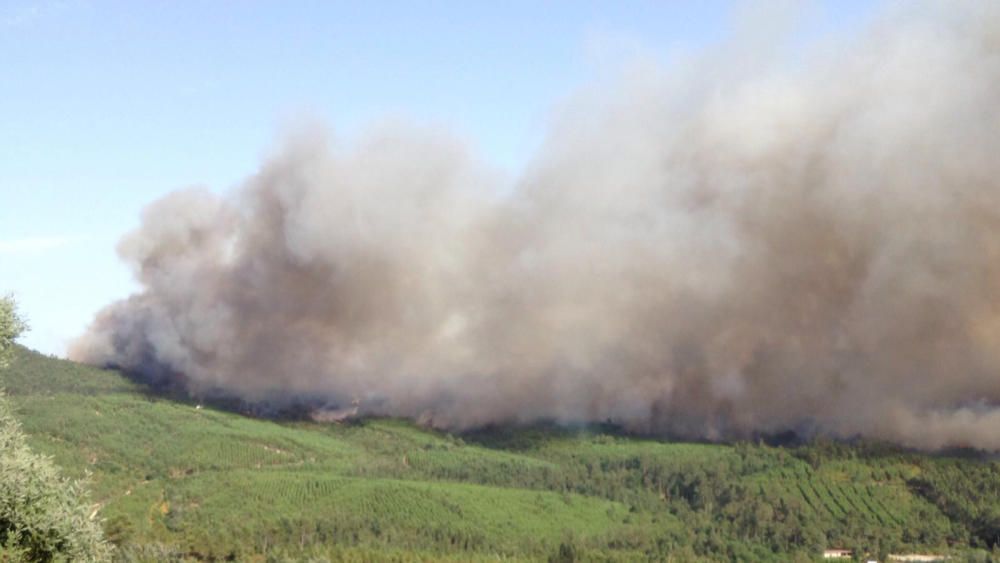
176, 481
43, 517
11, 326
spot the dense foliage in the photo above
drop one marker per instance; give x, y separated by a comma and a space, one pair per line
178, 481
967, 493
43, 517
11, 326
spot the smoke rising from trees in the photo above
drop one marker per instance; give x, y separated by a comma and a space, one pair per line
710, 248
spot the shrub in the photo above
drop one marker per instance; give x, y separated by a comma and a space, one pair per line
43, 516
11, 326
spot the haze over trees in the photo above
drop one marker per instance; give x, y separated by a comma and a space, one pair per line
693, 254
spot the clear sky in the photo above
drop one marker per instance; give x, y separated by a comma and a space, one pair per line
107, 105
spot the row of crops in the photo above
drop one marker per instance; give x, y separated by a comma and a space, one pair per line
883, 502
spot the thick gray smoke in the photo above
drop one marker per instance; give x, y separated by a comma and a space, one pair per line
711, 249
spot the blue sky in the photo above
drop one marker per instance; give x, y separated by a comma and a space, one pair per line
109, 105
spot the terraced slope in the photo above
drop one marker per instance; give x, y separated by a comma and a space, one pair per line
177, 480
210, 482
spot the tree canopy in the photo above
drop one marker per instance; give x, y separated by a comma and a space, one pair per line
43, 516
12, 325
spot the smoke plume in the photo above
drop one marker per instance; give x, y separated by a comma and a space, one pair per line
713, 248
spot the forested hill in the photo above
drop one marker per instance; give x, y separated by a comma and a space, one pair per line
176, 480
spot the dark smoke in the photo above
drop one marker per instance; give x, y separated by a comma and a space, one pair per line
714, 250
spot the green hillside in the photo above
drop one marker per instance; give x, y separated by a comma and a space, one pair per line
174, 480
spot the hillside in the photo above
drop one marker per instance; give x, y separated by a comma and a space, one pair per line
177, 480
